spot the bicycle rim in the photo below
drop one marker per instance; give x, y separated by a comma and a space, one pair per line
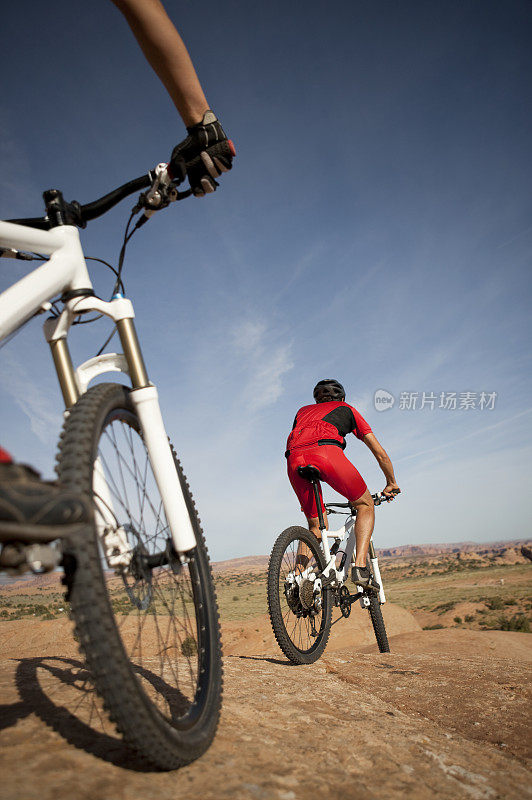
151, 637
301, 633
155, 609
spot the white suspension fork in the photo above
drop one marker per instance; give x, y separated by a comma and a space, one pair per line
377, 573
146, 403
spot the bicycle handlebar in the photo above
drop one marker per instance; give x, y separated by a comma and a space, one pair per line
99, 207
81, 214
378, 498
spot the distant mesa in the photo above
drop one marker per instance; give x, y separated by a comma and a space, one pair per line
526, 552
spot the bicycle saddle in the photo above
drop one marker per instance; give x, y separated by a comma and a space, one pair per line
310, 473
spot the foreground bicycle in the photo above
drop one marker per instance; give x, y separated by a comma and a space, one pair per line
138, 581
303, 589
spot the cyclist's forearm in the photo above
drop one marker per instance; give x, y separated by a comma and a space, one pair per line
386, 465
167, 55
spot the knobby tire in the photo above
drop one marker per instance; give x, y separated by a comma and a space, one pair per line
284, 621
166, 724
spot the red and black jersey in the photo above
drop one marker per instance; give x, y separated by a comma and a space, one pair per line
326, 423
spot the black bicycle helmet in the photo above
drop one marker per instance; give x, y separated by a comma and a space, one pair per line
327, 390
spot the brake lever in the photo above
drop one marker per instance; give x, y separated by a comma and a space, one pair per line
162, 192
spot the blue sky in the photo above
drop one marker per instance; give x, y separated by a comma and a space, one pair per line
376, 228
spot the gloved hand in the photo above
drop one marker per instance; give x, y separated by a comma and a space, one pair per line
203, 155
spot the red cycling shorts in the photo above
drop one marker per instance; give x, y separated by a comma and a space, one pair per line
335, 469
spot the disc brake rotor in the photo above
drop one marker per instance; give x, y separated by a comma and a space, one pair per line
291, 593
137, 578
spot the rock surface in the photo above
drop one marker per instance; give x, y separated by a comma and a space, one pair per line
445, 715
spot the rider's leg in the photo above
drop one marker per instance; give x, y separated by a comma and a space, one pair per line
303, 552
364, 524
305, 495
345, 479
314, 525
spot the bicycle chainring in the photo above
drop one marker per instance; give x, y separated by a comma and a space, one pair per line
344, 601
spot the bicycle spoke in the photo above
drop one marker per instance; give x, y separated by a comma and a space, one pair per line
301, 628
155, 612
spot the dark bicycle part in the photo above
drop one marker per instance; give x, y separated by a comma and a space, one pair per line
345, 601
61, 212
97, 208
334, 547
301, 626
378, 498
312, 474
137, 579
149, 630
306, 594
379, 629
291, 592
79, 215
141, 569
10, 252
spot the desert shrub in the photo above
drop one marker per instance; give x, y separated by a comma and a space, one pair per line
510, 601
433, 627
443, 607
495, 603
235, 598
189, 646
469, 617
516, 623
458, 620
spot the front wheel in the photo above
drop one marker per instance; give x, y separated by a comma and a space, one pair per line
300, 612
149, 627
377, 621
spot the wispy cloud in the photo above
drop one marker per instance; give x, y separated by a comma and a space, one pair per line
34, 401
263, 363
470, 435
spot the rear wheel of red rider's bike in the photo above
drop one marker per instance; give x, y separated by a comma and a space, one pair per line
300, 614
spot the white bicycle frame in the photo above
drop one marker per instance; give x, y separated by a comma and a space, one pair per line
338, 576
66, 272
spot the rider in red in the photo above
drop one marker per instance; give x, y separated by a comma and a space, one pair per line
318, 438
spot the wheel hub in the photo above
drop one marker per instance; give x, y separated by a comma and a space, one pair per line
137, 579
